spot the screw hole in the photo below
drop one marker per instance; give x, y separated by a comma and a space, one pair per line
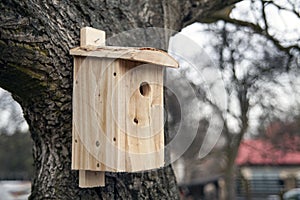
97, 143
136, 120
114, 139
115, 74
98, 165
145, 89
75, 141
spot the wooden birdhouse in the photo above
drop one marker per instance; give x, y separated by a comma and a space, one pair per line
118, 115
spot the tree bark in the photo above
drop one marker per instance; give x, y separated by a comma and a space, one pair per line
35, 66
230, 175
231, 154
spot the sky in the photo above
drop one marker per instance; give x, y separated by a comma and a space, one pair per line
11, 114
193, 42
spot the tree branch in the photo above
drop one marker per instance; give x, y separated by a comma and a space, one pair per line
257, 29
285, 9
197, 13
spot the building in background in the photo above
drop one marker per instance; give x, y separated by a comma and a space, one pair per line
266, 168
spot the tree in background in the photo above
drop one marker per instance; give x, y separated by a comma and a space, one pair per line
284, 134
11, 115
35, 66
257, 62
15, 142
16, 156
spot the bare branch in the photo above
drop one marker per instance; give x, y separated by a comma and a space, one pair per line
257, 29
263, 11
213, 9
285, 9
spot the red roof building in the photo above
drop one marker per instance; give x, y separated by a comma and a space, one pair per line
263, 152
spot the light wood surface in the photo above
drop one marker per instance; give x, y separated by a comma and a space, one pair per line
117, 108
145, 55
89, 179
115, 127
91, 37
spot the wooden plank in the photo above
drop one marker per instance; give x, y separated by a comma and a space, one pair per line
89, 126
123, 144
88, 179
142, 151
144, 128
145, 55
91, 37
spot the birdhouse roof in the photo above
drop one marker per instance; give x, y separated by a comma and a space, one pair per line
140, 54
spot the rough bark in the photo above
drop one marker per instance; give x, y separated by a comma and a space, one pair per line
35, 66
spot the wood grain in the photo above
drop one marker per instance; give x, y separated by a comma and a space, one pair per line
117, 108
91, 37
91, 179
145, 55
115, 127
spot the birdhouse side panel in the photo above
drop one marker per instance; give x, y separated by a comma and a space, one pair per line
93, 79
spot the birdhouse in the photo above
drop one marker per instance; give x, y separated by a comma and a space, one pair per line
118, 115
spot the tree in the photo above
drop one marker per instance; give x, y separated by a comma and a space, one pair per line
15, 156
253, 64
35, 66
282, 133
12, 119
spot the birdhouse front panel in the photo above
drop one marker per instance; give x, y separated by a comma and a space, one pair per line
117, 115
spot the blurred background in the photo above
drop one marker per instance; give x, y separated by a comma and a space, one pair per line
239, 102
234, 102
16, 160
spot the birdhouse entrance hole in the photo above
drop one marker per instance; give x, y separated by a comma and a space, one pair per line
145, 89
136, 120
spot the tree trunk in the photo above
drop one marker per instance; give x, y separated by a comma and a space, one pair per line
230, 182
230, 172
35, 38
